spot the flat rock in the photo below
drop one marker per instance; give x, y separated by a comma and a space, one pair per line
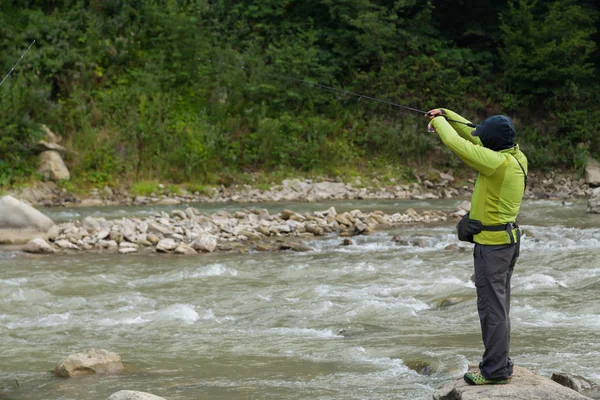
524, 385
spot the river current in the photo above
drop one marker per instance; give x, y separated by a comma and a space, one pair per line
339, 322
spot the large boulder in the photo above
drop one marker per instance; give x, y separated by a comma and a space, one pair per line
133, 395
93, 361
524, 385
52, 166
592, 173
15, 214
19, 222
594, 202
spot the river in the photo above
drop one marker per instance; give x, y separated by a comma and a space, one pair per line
339, 322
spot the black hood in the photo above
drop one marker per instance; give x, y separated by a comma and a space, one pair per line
496, 133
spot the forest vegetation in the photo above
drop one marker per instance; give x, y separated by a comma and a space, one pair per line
183, 90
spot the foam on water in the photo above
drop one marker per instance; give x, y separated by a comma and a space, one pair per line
47, 321
302, 332
535, 282
213, 270
13, 281
530, 316
184, 312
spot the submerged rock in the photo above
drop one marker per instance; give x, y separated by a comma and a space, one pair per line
93, 362
420, 366
524, 385
133, 395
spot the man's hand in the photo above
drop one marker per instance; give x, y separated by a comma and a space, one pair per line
433, 113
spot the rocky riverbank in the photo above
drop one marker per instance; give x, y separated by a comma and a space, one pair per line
432, 185
190, 232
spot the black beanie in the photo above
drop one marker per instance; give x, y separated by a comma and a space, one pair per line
496, 133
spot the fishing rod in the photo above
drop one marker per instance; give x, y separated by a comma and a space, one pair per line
17, 63
341, 91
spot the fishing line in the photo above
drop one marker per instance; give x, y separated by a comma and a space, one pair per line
341, 91
17, 63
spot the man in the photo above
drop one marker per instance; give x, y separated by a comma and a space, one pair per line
491, 150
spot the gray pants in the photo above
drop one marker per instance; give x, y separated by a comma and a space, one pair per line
493, 269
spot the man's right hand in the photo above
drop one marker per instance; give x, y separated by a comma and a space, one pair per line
436, 112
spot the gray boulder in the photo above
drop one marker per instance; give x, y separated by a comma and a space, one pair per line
15, 214
52, 166
133, 395
524, 385
592, 173
92, 362
19, 222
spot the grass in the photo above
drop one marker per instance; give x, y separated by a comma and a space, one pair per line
144, 188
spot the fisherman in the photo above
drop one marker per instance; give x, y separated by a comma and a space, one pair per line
491, 224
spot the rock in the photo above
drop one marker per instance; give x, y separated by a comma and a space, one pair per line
166, 245
152, 238
360, 226
449, 301
593, 205
420, 366
127, 250
578, 384
465, 205
49, 136
179, 213
38, 246
262, 247
168, 201
205, 243
65, 244
184, 249
524, 385
592, 173
91, 203
528, 233
314, 229
52, 166
43, 146
342, 220
116, 236
446, 177
15, 214
93, 362
155, 227
452, 247
294, 246
347, 242
133, 395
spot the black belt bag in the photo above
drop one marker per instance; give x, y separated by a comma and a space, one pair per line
467, 228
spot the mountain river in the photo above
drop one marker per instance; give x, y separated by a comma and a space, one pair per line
339, 322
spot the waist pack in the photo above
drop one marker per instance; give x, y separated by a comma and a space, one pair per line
467, 228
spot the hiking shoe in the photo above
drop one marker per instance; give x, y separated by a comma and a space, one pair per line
475, 378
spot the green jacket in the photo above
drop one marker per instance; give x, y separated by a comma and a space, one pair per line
500, 184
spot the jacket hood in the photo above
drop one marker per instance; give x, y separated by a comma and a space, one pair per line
496, 133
